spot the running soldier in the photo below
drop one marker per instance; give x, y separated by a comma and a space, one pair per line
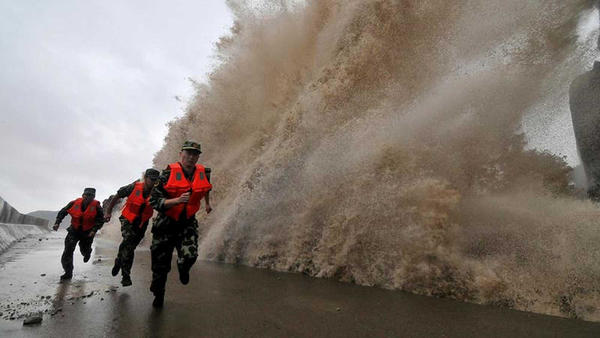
134, 221
177, 197
86, 219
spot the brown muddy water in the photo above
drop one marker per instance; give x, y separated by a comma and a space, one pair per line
225, 300
391, 144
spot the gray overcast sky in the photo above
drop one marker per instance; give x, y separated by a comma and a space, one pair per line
86, 88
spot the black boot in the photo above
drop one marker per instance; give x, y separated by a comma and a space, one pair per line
184, 273
86, 257
66, 276
158, 289
116, 267
159, 300
126, 280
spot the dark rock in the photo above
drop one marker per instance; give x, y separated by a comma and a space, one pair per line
32, 320
43, 275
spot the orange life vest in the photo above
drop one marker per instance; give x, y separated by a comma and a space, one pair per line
83, 220
134, 203
178, 184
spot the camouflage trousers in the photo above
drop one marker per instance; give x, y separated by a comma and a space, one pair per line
132, 236
167, 235
85, 247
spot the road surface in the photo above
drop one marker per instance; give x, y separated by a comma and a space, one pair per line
232, 301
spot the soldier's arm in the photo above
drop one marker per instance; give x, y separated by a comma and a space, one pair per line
208, 171
163, 202
208, 208
62, 213
111, 205
99, 220
158, 195
121, 193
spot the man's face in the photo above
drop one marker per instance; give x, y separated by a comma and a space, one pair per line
189, 158
149, 181
87, 197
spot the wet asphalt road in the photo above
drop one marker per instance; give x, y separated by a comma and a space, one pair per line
232, 301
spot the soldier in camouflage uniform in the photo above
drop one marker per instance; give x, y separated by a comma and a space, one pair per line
134, 221
177, 197
86, 219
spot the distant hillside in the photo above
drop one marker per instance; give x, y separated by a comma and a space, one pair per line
50, 216
45, 214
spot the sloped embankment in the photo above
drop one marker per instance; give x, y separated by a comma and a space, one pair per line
15, 226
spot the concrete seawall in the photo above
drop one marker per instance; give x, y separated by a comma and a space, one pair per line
8, 214
15, 226
10, 233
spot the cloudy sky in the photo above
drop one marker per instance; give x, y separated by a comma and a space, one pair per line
86, 88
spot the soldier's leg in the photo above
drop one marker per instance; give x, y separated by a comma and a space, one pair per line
187, 251
127, 250
126, 231
85, 247
161, 252
117, 267
67, 257
594, 192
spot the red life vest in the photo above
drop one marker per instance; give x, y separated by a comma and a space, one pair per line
83, 220
134, 203
178, 184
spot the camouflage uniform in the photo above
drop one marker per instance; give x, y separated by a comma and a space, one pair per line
132, 233
74, 236
169, 234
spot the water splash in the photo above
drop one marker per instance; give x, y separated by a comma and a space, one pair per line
378, 142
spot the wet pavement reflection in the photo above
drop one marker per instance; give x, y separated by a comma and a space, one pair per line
227, 300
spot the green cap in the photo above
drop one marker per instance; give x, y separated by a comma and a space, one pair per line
191, 145
89, 191
151, 173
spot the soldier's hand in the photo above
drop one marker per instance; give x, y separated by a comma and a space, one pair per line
106, 218
208, 208
55, 227
91, 234
185, 197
